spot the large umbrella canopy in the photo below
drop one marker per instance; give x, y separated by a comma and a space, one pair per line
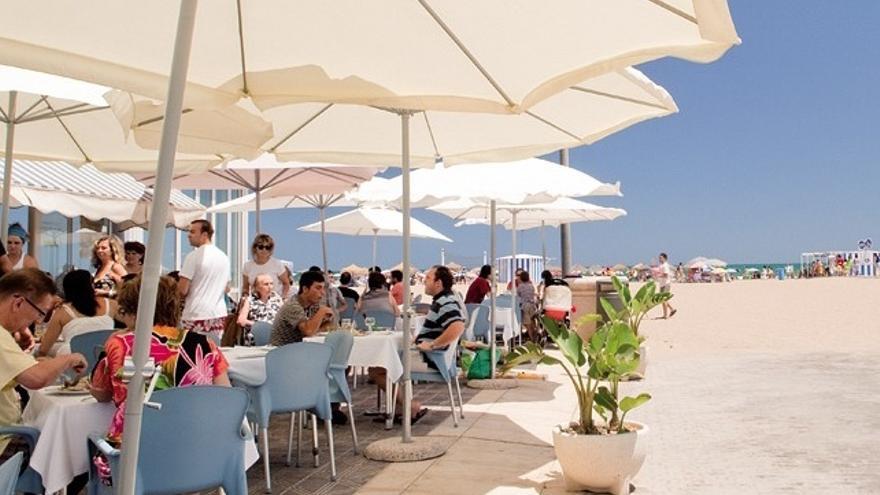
581, 114
525, 181
57, 118
562, 210
377, 222
48, 117
267, 177
330, 48
85, 191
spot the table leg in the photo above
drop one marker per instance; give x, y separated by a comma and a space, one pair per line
389, 402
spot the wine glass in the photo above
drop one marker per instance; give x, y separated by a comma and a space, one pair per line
370, 322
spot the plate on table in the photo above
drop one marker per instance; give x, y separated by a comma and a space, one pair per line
62, 390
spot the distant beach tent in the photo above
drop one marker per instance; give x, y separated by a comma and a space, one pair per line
528, 262
355, 270
85, 191
620, 267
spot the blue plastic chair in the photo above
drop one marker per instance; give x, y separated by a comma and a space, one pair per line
349, 308
503, 300
341, 342
194, 442
29, 481
383, 318
446, 372
90, 345
296, 380
479, 321
262, 332
9, 474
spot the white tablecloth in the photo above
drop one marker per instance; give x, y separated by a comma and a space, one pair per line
65, 423
376, 349
504, 317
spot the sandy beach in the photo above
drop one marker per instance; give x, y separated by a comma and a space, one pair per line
758, 387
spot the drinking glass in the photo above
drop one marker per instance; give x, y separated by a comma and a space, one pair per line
370, 322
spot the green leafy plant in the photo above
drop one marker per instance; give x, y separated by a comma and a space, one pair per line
608, 355
633, 307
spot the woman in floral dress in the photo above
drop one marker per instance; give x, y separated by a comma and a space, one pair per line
185, 358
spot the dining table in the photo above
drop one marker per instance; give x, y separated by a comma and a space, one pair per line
369, 349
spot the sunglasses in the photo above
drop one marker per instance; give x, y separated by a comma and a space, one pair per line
39, 310
264, 247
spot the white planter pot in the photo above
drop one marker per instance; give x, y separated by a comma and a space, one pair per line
643, 360
600, 463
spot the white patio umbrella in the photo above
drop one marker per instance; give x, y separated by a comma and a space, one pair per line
487, 184
266, 177
252, 201
524, 216
463, 62
377, 222
85, 191
562, 211
481, 69
54, 118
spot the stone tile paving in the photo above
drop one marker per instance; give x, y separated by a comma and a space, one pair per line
353, 470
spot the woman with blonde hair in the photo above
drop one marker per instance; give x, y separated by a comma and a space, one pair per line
106, 254
262, 262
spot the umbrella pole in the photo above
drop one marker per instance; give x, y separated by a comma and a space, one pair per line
375, 244
7, 165
156, 239
407, 338
493, 287
543, 246
257, 212
323, 238
517, 327
564, 229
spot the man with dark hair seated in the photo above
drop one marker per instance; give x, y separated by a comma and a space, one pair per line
443, 325
345, 287
302, 315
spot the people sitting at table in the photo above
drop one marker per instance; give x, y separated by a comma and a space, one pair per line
186, 358
443, 325
26, 297
304, 314
108, 270
397, 286
262, 304
345, 283
134, 257
480, 287
83, 311
377, 297
16, 238
262, 261
528, 301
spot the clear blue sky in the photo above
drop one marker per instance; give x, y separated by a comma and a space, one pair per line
775, 151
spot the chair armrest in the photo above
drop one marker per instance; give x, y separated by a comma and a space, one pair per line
237, 379
246, 432
28, 433
103, 446
342, 367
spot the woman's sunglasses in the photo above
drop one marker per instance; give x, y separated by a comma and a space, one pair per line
263, 247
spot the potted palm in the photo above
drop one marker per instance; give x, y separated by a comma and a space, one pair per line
632, 309
602, 450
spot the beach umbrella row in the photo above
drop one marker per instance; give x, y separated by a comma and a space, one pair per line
469, 66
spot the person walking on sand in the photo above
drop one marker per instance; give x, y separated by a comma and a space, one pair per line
665, 282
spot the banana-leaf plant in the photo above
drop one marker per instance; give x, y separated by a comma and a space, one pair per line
594, 368
633, 308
